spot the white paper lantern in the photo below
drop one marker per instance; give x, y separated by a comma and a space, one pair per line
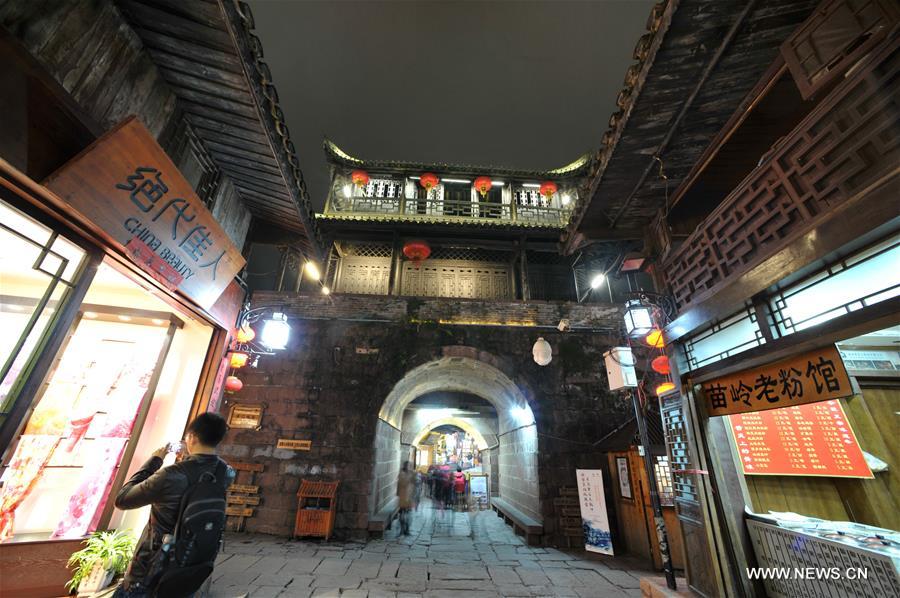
542, 352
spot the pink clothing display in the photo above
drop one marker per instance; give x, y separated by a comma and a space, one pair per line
87, 502
33, 452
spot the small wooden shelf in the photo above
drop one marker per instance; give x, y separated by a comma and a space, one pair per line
315, 509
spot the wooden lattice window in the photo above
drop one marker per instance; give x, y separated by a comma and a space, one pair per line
834, 38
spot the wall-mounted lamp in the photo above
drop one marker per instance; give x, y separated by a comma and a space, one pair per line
638, 318
276, 332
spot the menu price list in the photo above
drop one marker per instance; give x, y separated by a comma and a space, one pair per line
804, 440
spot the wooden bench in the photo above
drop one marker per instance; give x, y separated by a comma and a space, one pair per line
381, 521
526, 526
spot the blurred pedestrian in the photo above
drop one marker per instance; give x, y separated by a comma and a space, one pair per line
459, 489
406, 487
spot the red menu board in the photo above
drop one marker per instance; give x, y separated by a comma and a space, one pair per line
808, 440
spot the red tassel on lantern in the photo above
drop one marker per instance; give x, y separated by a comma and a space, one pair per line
233, 384
483, 185
429, 180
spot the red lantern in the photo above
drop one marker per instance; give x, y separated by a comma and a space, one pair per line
239, 359
655, 339
416, 251
660, 365
548, 189
483, 185
360, 178
233, 384
429, 180
244, 335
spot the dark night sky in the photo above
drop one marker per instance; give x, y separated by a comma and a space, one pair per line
519, 84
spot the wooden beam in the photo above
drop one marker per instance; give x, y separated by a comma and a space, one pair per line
685, 106
174, 25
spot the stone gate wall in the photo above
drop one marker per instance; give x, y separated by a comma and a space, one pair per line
346, 353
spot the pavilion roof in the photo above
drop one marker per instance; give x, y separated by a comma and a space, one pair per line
337, 156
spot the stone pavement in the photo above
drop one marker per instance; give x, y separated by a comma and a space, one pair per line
458, 555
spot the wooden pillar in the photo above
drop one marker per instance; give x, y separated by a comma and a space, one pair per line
396, 263
523, 270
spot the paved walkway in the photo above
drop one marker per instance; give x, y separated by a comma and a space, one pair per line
462, 555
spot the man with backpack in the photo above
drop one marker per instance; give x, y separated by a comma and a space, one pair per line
178, 547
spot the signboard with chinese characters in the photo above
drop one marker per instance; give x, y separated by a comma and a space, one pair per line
294, 445
807, 378
245, 416
806, 440
594, 519
127, 186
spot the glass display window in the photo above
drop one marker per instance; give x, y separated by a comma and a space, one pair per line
122, 385
38, 269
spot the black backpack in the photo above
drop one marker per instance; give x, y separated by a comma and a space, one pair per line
187, 558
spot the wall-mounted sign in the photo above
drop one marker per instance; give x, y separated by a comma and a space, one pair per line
245, 416
807, 378
239, 511
594, 519
294, 445
126, 184
806, 440
624, 477
243, 489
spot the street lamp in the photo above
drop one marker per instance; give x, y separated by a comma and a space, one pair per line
598, 280
638, 318
276, 332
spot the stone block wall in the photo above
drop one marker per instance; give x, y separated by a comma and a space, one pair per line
386, 466
345, 355
518, 456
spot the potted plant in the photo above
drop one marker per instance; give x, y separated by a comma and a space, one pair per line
105, 555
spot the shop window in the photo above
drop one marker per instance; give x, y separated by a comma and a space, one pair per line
38, 268
733, 335
848, 285
664, 481
128, 359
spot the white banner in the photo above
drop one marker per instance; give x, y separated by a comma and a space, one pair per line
594, 520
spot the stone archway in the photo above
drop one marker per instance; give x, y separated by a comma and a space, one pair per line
517, 444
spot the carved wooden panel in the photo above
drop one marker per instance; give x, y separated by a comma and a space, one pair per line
850, 142
445, 278
835, 36
364, 275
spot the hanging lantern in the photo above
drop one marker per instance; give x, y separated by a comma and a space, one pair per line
548, 189
655, 339
660, 365
244, 335
483, 185
233, 384
429, 181
416, 251
239, 359
360, 178
542, 352
638, 318
664, 388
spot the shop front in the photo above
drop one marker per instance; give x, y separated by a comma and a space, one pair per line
117, 298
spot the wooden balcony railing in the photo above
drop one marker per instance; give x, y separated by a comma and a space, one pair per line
449, 210
849, 144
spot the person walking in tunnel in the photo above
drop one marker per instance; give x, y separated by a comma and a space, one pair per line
406, 485
459, 489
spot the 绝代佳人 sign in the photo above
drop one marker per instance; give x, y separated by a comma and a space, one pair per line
807, 440
126, 185
818, 375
